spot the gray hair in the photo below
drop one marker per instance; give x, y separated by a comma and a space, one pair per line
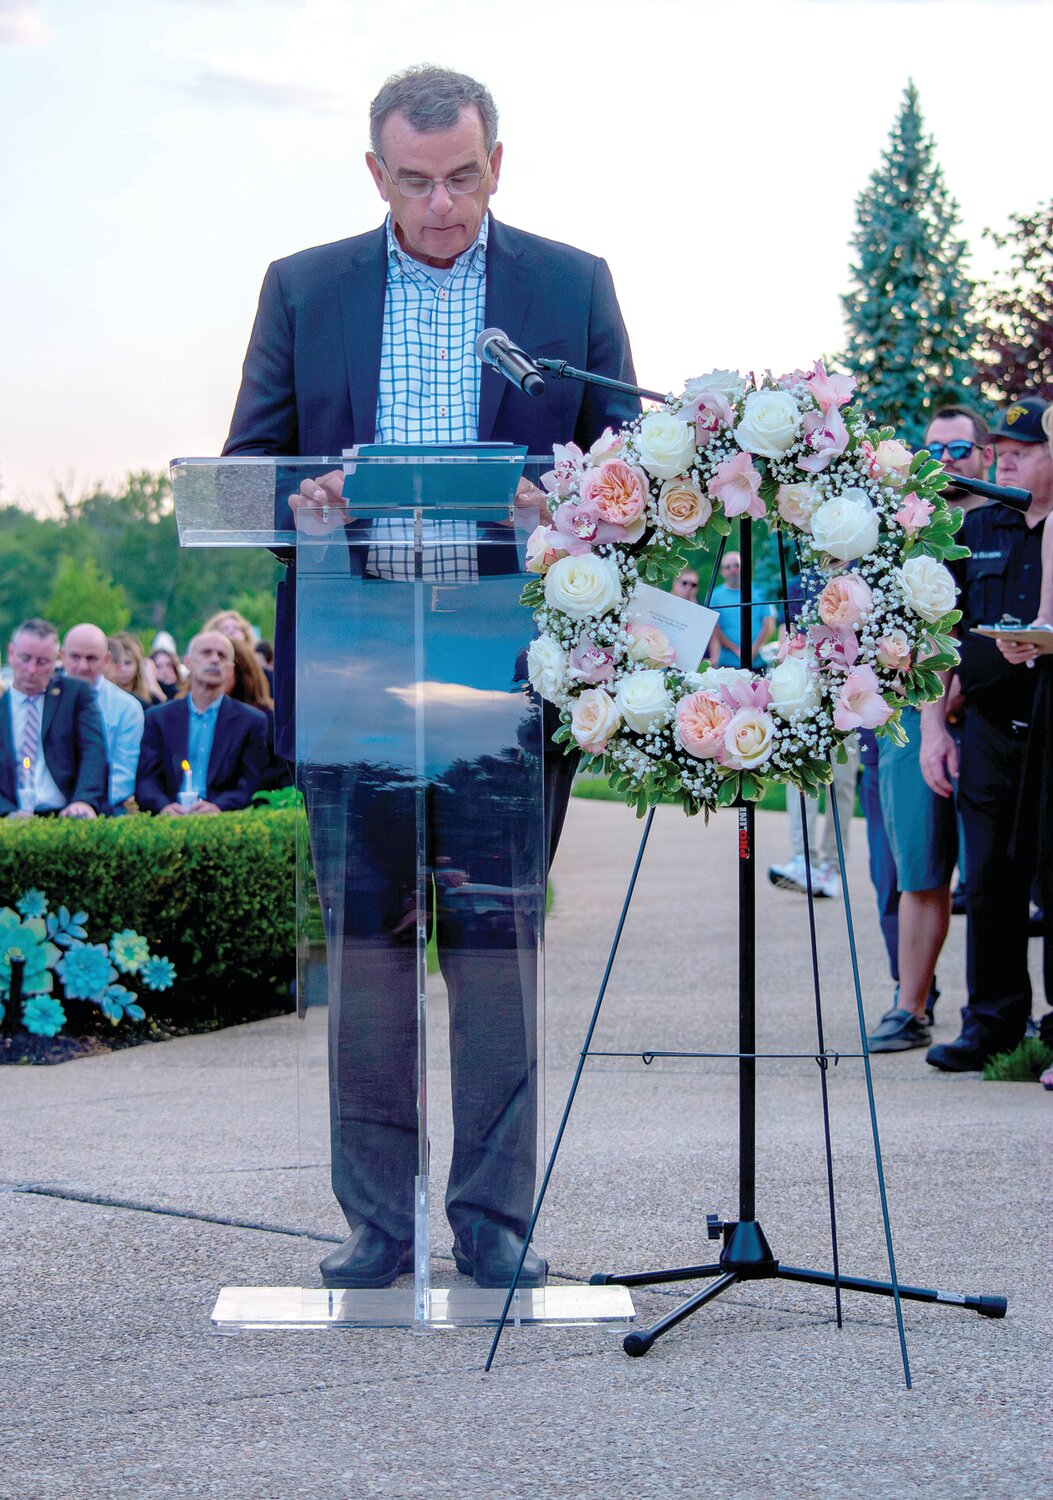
42, 628
432, 100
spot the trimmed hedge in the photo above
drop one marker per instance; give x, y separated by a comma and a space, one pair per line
216, 895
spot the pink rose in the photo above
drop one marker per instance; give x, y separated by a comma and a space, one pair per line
649, 644
701, 719
845, 601
794, 504
619, 490
594, 719
914, 513
563, 480
827, 436
749, 740
590, 663
736, 486
608, 445
891, 460
830, 390
543, 548
893, 651
860, 704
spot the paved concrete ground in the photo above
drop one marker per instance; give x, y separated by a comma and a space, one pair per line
113, 1384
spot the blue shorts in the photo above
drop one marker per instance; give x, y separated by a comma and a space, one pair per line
921, 827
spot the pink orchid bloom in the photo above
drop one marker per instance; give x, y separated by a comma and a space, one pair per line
860, 704
793, 377
590, 663
564, 479
830, 390
834, 649
914, 513
826, 434
578, 526
753, 694
709, 410
736, 486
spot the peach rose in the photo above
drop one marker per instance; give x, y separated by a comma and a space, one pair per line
542, 550
845, 601
650, 645
891, 460
701, 719
618, 489
794, 503
682, 507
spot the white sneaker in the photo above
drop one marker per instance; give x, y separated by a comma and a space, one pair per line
792, 877
827, 881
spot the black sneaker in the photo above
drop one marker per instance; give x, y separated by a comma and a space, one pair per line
899, 1031
959, 1056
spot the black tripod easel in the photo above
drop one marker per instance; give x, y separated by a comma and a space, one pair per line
746, 1254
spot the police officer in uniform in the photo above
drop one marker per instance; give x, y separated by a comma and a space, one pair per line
1001, 577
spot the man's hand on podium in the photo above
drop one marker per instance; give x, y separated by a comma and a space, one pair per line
529, 497
318, 506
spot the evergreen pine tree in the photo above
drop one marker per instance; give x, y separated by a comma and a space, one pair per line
910, 329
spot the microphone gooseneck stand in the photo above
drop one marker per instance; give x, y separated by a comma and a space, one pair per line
746, 1254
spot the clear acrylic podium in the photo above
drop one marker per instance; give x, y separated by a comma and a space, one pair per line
421, 874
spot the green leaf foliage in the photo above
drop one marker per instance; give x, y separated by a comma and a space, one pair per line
216, 895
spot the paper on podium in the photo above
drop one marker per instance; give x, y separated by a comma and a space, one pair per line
688, 625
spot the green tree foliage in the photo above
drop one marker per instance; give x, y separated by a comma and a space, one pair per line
125, 541
1017, 337
911, 331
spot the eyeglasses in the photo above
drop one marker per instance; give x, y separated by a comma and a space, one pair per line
460, 185
958, 450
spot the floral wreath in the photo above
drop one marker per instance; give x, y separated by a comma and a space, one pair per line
871, 531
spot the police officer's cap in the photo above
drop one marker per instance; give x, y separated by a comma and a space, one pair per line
1022, 420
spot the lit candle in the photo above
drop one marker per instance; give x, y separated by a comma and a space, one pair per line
187, 795
27, 797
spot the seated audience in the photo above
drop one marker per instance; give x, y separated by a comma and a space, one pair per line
247, 683
52, 749
229, 623
132, 670
167, 670
86, 655
205, 752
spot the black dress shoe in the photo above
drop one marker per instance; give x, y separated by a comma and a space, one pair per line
369, 1258
958, 1056
493, 1254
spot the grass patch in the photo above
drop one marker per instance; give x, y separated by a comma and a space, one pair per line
1025, 1064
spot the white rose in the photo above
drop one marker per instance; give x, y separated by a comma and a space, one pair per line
728, 382
769, 423
543, 548
749, 739
847, 526
583, 586
547, 668
643, 700
593, 720
928, 588
794, 689
665, 445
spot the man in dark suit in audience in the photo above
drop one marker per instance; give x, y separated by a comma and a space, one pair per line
205, 753
52, 750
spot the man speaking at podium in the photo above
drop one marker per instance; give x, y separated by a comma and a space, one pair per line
372, 339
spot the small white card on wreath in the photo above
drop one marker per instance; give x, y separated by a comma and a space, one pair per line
688, 625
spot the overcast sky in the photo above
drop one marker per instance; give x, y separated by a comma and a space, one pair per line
159, 153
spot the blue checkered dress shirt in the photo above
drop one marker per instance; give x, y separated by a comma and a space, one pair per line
428, 392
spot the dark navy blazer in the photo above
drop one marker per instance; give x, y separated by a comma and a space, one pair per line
74, 745
236, 766
309, 383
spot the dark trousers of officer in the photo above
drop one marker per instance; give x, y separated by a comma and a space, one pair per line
999, 884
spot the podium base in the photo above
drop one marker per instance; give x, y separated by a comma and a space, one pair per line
241, 1308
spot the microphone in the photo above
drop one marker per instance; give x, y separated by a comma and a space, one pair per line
1018, 500
494, 347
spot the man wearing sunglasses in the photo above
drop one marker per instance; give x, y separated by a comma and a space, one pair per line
372, 339
1001, 576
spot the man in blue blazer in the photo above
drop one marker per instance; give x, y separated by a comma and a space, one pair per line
205, 753
53, 724
373, 339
